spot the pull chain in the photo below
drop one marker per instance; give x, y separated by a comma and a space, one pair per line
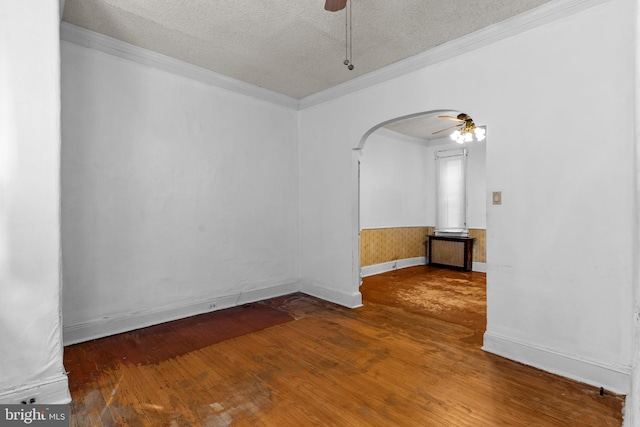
348, 45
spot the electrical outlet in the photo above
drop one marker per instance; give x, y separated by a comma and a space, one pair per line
212, 305
28, 401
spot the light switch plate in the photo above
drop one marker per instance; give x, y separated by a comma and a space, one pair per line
497, 197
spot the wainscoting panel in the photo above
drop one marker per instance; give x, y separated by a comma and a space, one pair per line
380, 245
480, 245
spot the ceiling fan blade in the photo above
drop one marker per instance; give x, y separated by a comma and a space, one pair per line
451, 118
455, 126
335, 5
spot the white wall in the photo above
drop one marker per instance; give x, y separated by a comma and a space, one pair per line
393, 182
560, 280
177, 197
30, 324
632, 406
397, 181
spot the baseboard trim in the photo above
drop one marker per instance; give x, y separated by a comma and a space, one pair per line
480, 267
371, 270
613, 378
384, 267
52, 391
352, 300
111, 325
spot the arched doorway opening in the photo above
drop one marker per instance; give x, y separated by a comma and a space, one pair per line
396, 205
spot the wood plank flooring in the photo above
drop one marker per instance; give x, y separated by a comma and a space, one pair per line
410, 357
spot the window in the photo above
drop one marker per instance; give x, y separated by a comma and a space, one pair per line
451, 192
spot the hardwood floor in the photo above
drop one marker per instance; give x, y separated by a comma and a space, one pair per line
410, 357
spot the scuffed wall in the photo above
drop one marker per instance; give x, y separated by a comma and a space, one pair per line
177, 197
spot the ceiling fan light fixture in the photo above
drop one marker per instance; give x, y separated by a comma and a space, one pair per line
466, 129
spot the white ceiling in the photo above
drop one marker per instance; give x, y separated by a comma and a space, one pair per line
295, 48
423, 126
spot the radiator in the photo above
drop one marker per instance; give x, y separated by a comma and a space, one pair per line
451, 252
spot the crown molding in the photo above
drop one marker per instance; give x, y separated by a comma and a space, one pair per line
90, 39
544, 14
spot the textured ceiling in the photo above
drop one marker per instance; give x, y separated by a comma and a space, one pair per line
292, 47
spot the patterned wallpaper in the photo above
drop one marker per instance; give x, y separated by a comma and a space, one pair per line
480, 245
380, 245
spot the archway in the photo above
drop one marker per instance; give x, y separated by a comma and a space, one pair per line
413, 136
355, 169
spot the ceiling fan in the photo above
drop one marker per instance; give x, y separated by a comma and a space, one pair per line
465, 129
335, 5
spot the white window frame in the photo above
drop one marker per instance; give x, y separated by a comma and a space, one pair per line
459, 204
